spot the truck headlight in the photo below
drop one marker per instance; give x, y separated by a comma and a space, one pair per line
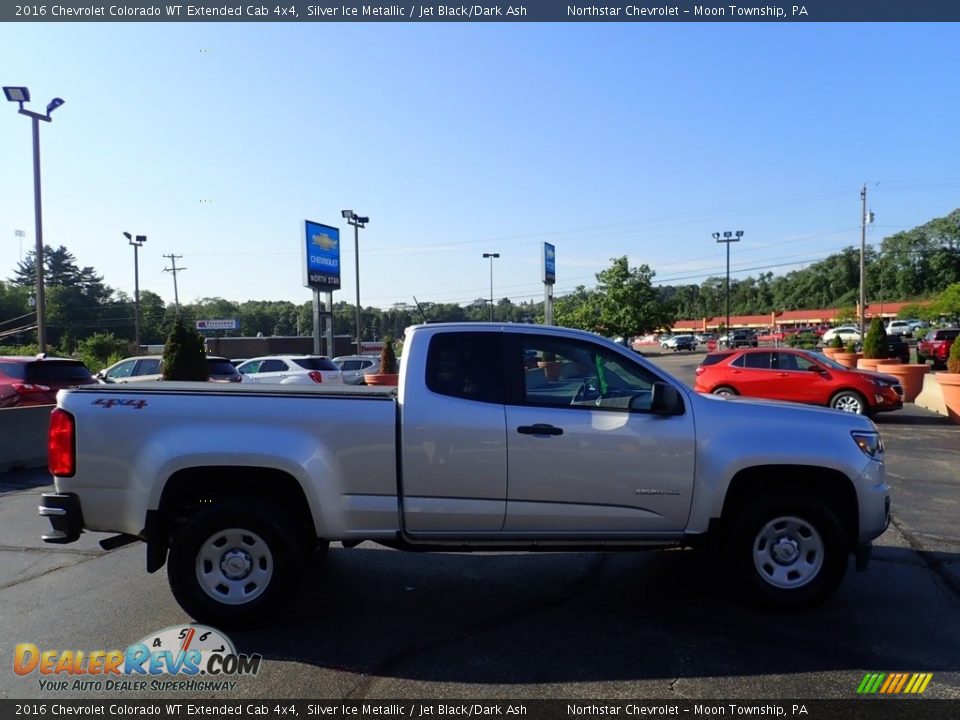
870, 443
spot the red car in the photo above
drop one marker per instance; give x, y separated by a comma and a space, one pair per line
936, 346
35, 380
797, 376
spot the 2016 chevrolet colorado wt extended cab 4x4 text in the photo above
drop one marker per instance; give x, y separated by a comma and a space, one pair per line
498, 437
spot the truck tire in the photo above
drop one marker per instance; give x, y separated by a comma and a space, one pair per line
788, 552
232, 564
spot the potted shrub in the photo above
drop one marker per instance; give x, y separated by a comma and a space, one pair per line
183, 355
950, 383
835, 346
389, 368
551, 366
849, 356
874, 346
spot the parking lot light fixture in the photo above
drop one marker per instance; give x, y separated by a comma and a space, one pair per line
491, 256
727, 238
358, 222
21, 95
137, 243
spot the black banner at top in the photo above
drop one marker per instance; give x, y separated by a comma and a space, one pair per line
483, 11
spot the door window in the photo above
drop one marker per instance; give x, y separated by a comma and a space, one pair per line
273, 365
149, 366
573, 373
124, 369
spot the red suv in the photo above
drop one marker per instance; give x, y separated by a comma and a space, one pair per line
27, 380
797, 376
936, 346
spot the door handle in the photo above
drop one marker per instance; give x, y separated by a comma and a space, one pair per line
539, 429
782, 375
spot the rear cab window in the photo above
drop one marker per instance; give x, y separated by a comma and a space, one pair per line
58, 371
315, 363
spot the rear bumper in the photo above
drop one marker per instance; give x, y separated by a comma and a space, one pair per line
66, 518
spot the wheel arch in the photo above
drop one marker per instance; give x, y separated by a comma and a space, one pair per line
830, 486
191, 489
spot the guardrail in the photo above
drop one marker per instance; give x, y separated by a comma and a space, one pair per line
23, 436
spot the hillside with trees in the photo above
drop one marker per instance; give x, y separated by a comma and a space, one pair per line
917, 264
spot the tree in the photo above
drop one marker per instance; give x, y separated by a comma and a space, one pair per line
183, 355
101, 349
628, 302
948, 302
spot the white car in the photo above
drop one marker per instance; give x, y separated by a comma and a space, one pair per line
354, 367
291, 369
847, 333
899, 327
146, 368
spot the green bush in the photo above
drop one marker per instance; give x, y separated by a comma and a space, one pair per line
953, 361
837, 342
875, 344
99, 350
183, 355
388, 358
850, 348
804, 341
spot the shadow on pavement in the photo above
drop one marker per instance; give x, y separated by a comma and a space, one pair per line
558, 618
24, 479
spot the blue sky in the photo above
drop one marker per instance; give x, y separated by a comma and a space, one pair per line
217, 140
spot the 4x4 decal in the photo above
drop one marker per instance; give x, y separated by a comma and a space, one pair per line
111, 402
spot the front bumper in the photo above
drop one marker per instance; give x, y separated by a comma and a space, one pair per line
66, 518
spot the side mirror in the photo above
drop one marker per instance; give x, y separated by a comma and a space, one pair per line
665, 399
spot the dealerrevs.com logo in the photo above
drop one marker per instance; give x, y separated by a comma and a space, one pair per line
180, 658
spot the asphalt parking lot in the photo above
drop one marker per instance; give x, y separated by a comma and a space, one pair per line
376, 623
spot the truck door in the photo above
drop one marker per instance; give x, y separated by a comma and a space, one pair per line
586, 458
453, 437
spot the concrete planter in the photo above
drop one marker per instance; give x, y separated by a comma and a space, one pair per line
950, 385
847, 359
382, 379
867, 363
910, 377
831, 352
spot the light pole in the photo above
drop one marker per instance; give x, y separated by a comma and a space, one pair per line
137, 243
21, 95
357, 222
491, 256
728, 237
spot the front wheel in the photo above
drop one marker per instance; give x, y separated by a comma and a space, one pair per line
724, 390
232, 564
788, 552
849, 401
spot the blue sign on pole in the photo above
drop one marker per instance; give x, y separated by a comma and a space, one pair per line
549, 264
321, 256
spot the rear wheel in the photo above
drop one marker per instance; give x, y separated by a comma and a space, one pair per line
232, 564
851, 402
725, 390
788, 552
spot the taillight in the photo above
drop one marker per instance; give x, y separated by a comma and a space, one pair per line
61, 444
27, 388
316, 377
699, 370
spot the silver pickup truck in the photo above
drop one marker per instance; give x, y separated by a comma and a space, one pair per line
497, 437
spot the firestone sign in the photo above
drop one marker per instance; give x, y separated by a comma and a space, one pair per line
223, 324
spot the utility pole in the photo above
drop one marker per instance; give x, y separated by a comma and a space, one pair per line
863, 249
174, 269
